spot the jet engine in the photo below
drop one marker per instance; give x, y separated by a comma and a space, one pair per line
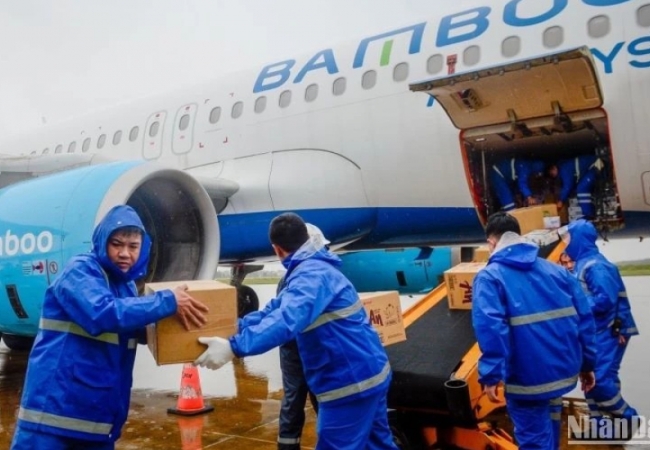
46, 220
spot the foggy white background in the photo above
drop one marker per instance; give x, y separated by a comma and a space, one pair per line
63, 58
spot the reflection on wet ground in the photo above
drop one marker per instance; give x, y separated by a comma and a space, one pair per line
246, 396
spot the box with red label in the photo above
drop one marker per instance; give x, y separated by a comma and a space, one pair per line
385, 314
459, 280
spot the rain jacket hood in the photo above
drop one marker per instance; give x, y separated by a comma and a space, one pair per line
119, 217
583, 240
514, 251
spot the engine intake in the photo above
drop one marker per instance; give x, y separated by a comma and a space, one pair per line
46, 220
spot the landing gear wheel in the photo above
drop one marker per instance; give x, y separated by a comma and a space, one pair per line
18, 343
247, 300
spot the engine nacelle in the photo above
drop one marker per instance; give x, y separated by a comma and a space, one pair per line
47, 220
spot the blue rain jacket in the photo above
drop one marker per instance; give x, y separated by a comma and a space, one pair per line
571, 170
520, 170
342, 355
79, 375
532, 323
600, 279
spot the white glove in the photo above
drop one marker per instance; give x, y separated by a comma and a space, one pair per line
217, 354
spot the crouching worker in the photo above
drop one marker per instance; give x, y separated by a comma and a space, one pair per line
79, 374
345, 364
603, 285
535, 331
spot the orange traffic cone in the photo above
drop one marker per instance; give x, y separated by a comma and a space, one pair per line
191, 429
190, 400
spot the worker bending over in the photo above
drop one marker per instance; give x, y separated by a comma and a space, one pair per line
510, 173
578, 174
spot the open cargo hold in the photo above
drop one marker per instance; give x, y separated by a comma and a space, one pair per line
547, 108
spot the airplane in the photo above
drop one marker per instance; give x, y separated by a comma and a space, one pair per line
383, 142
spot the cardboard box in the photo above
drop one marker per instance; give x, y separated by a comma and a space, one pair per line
542, 237
459, 280
385, 314
481, 254
532, 217
171, 343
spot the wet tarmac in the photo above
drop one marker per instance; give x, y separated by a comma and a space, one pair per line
246, 395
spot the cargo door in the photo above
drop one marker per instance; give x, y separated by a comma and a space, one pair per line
544, 86
547, 108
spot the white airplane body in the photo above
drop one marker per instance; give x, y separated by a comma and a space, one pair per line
377, 164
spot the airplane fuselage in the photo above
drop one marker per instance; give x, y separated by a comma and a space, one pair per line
337, 135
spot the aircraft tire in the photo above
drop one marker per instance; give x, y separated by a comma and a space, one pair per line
18, 343
247, 300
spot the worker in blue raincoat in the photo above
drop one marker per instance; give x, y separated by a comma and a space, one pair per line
602, 283
294, 384
578, 174
509, 173
535, 331
345, 364
79, 375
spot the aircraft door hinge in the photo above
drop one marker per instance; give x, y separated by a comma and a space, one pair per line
518, 126
561, 118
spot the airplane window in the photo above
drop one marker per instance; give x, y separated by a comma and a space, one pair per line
215, 114
511, 46
434, 64
598, 26
101, 141
58, 149
285, 99
643, 16
471, 55
117, 137
46, 151
184, 122
86, 145
133, 134
553, 37
260, 104
369, 79
71, 147
311, 92
237, 110
400, 72
153, 129
338, 87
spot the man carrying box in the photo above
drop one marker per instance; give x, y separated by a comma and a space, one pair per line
535, 331
294, 385
79, 376
345, 364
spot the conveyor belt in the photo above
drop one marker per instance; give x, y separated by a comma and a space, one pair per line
435, 344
